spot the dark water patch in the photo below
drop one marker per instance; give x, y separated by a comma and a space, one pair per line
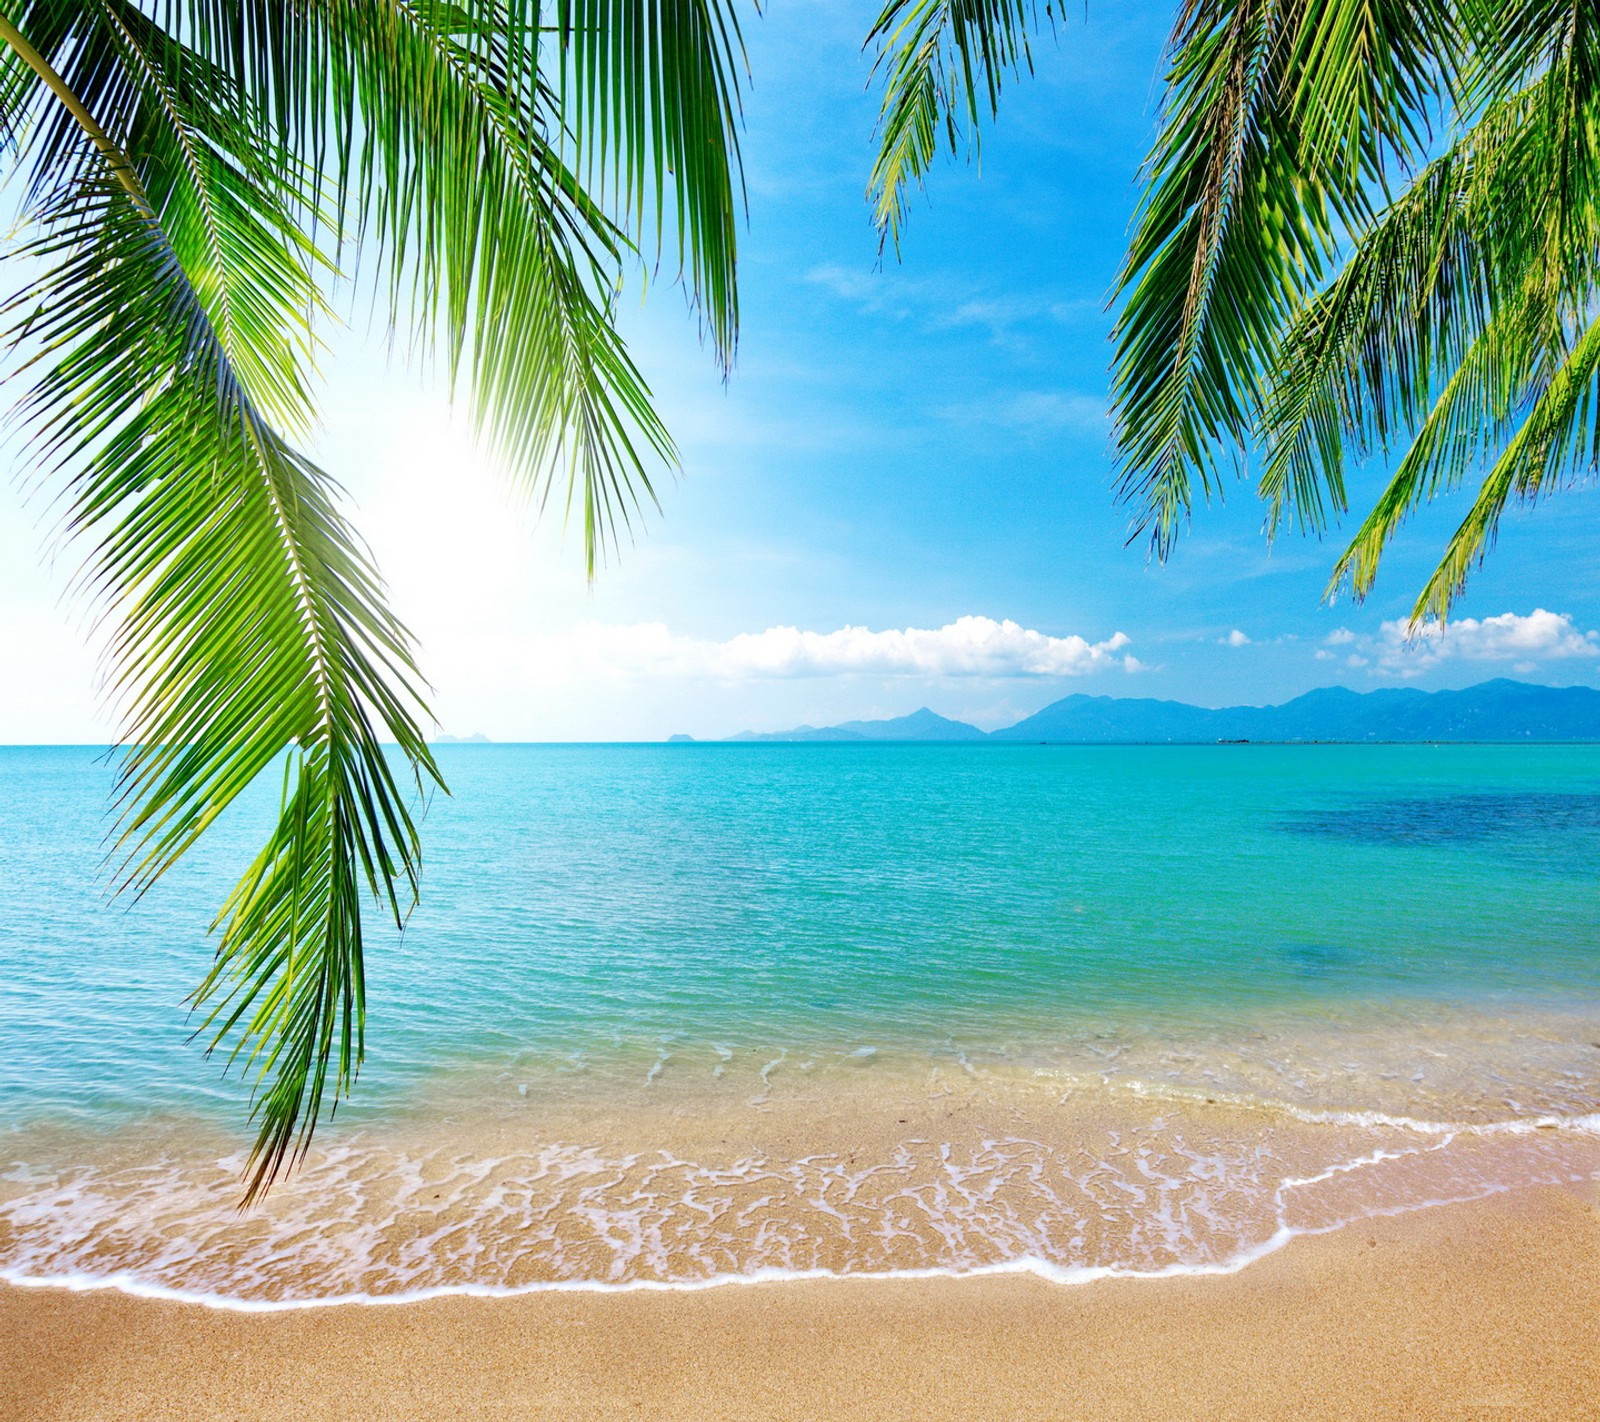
1568, 819
1323, 960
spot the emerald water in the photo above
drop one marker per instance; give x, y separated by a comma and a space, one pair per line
673, 949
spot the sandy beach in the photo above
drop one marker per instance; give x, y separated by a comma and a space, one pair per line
1478, 1310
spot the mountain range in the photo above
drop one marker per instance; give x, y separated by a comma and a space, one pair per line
923, 725
1499, 710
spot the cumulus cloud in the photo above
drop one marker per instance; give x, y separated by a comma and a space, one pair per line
1235, 638
1339, 637
1540, 636
967, 647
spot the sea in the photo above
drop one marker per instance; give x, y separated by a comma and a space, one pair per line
678, 1016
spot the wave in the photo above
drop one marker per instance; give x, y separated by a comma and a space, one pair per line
1047, 1270
1584, 1121
1148, 1198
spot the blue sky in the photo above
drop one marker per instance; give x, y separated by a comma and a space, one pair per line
899, 448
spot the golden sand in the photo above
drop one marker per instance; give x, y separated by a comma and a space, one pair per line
1482, 1310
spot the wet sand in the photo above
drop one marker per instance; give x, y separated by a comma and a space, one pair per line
1482, 1310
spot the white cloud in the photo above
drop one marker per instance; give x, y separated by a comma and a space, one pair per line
967, 647
1235, 638
1054, 409
949, 301
1324, 656
1510, 637
1339, 637
1034, 410
866, 288
995, 314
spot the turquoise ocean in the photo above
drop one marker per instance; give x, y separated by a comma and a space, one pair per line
673, 1015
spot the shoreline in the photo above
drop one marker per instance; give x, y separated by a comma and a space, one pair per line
1055, 1275
866, 1172
1488, 1308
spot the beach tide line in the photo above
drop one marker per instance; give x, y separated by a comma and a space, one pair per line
1587, 1122
1294, 1213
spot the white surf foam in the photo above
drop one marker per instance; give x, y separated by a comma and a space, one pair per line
1141, 1204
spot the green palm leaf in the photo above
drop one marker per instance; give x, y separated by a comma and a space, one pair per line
1278, 121
249, 620
650, 103
1559, 441
197, 177
1368, 227
1457, 329
943, 63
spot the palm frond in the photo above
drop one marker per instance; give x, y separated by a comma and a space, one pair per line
250, 625
1278, 121
1207, 274
1558, 443
199, 172
649, 103
453, 141
1357, 366
232, 215
507, 263
1453, 318
943, 63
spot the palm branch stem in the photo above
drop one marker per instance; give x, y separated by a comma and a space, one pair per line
120, 164
122, 167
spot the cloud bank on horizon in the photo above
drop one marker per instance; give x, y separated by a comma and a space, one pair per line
979, 647
1407, 649
969, 647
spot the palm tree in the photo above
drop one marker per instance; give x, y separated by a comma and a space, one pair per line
1369, 228
197, 179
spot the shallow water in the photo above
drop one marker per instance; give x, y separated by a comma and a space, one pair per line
673, 1014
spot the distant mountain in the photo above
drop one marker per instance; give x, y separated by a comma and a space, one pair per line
477, 738
923, 725
920, 725
1499, 710
1120, 718
802, 733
